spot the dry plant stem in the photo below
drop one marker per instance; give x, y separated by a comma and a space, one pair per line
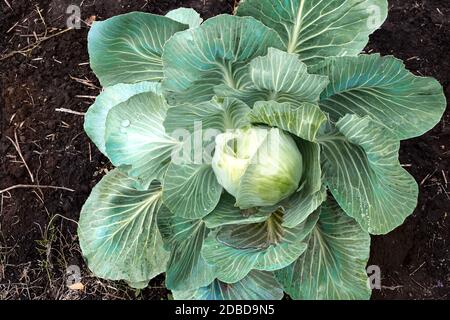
32, 46
42, 19
7, 3
17, 147
85, 82
85, 97
70, 111
22, 186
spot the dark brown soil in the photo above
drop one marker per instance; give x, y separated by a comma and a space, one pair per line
415, 258
38, 226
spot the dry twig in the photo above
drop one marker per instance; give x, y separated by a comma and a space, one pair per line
85, 96
17, 147
22, 186
7, 3
70, 111
34, 45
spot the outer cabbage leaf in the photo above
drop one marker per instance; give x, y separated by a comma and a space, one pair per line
191, 191
118, 234
300, 205
257, 285
381, 87
278, 76
316, 29
95, 119
186, 268
226, 213
186, 16
333, 265
135, 136
219, 114
127, 48
302, 120
362, 171
235, 250
215, 53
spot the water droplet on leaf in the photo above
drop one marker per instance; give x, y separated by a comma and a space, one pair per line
125, 123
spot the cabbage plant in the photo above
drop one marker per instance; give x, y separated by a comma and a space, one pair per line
254, 153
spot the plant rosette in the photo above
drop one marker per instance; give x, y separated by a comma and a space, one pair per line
255, 153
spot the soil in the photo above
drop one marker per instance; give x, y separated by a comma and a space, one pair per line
38, 226
415, 258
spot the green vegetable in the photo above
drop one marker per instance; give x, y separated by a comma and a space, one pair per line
258, 166
254, 153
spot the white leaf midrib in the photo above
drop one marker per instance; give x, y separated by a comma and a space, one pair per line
297, 28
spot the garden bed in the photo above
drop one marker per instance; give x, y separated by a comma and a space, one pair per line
44, 70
